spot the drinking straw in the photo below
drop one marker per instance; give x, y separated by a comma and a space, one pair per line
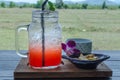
43, 32
43, 5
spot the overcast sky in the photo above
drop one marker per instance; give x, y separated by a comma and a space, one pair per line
34, 1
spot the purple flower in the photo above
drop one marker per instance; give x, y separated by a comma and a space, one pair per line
70, 49
71, 44
64, 46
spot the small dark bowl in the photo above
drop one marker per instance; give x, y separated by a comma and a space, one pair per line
87, 64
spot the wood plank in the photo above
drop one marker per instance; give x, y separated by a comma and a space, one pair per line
9, 55
6, 78
114, 54
113, 78
6, 73
115, 66
64, 71
65, 79
11, 78
8, 65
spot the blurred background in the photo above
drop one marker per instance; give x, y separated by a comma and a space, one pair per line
97, 20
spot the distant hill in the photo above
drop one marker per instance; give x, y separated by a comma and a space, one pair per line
17, 3
90, 2
95, 2
98, 2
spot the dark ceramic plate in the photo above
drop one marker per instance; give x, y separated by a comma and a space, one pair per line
87, 64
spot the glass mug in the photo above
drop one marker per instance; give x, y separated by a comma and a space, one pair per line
44, 48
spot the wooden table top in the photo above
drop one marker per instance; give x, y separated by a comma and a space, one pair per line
9, 60
68, 70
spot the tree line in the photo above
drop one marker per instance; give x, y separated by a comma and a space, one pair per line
60, 5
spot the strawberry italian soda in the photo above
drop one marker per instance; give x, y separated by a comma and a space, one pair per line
44, 35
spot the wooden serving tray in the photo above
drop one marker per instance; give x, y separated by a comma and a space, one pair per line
68, 70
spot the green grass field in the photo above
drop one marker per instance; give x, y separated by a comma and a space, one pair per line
100, 26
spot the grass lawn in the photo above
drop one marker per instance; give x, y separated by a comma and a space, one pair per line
100, 26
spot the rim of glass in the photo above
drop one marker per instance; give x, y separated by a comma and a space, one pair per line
46, 11
35, 13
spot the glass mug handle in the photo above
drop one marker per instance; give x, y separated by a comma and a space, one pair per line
18, 30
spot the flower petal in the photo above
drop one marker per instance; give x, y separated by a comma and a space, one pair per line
76, 50
64, 46
71, 44
75, 54
69, 52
